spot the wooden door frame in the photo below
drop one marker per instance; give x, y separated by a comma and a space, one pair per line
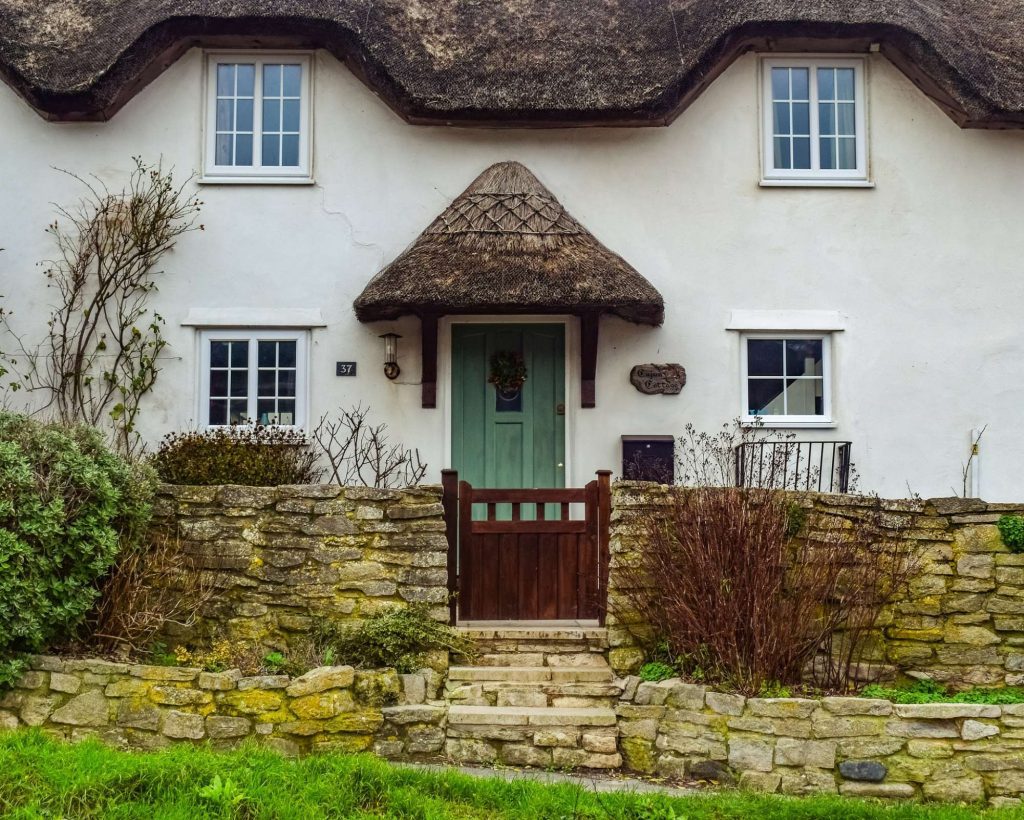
571, 355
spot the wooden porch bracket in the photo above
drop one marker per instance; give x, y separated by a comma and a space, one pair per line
428, 347
588, 359
450, 503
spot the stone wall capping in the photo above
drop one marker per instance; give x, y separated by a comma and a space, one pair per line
946, 711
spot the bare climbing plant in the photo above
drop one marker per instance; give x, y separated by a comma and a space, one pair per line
101, 353
358, 452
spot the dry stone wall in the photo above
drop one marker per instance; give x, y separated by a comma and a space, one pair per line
853, 746
280, 556
962, 622
132, 706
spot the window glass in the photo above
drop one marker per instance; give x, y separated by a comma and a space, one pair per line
252, 379
785, 377
229, 382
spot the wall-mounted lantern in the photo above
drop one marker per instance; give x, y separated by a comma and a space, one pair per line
391, 368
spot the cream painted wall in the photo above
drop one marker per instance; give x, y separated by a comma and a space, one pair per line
926, 268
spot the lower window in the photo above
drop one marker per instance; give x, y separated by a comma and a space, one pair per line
253, 377
786, 379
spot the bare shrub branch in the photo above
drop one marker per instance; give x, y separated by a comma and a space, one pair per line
358, 452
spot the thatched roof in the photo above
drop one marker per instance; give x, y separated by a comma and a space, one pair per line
529, 62
506, 245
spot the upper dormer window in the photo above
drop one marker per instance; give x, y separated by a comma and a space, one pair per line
814, 121
258, 118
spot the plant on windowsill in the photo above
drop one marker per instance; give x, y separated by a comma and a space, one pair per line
508, 372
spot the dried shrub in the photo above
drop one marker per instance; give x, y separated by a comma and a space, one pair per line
738, 599
358, 452
150, 587
252, 455
398, 637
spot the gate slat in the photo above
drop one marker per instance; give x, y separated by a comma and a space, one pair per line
548, 585
567, 562
529, 577
508, 576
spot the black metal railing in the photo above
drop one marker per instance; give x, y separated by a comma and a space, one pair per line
818, 466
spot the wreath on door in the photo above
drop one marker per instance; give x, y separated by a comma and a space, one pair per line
508, 372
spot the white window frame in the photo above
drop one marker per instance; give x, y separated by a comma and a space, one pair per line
826, 418
253, 336
815, 176
257, 173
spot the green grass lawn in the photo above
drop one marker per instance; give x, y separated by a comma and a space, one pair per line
42, 778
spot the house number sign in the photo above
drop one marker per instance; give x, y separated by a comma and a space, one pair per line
345, 368
652, 379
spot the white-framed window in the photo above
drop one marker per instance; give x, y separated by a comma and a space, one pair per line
253, 376
815, 120
787, 378
258, 117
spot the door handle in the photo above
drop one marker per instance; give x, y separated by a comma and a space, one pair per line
559, 409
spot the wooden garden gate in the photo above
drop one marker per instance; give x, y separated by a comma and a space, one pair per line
522, 556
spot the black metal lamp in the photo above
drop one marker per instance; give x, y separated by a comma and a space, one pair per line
391, 368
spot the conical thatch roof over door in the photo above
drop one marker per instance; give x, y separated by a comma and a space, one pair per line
507, 246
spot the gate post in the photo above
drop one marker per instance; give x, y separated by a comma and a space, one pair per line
604, 514
450, 502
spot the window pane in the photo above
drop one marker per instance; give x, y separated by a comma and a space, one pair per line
780, 83
848, 154
239, 412
828, 153
271, 81
286, 383
266, 410
218, 382
290, 149
286, 409
801, 80
239, 383
246, 80
290, 121
224, 143
243, 149
271, 148
803, 397
782, 159
803, 357
764, 357
826, 84
266, 353
827, 119
292, 80
782, 125
802, 153
271, 115
844, 83
265, 383
286, 354
847, 119
239, 354
218, 354
225, 80
244, 115
764, 397
218, 411
802, 118
225, 115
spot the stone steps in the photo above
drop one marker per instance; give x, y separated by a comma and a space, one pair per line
534, 696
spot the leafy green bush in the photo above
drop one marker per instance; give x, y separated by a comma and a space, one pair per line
926, 691
68, 505
1011, 528
796, 517
253, 455
396, 637
656, 671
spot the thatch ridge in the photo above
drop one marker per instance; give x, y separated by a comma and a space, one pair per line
521, 62
506, 245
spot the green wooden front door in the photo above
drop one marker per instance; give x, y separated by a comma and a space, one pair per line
509, 441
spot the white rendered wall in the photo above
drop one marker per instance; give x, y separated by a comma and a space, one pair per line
926, 268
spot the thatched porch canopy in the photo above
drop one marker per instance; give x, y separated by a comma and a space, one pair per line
506, 245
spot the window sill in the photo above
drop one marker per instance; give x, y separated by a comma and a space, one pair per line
255, 180
816, 183
788, 424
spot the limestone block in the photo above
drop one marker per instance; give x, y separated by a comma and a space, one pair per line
892, 791
750, 755
946, 711
221, 726
564, 738
601, 744
725, 704
819, 754
424, 740
322, 705
90, 709
31, 680
263, 682
976, 565
524, 754
955, 790
798, 708
377, 688
765, 782
470, 751
414, 688
638, 754
807, 781
857, 706
976, 730
330, 525
177, 696
929, 749
922, 728
970, 635
686, 696
825, 725
138, 714
321, 679
184, 725
580, 759
627, 659
164, 673
69, 684
419, 713
219, 681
